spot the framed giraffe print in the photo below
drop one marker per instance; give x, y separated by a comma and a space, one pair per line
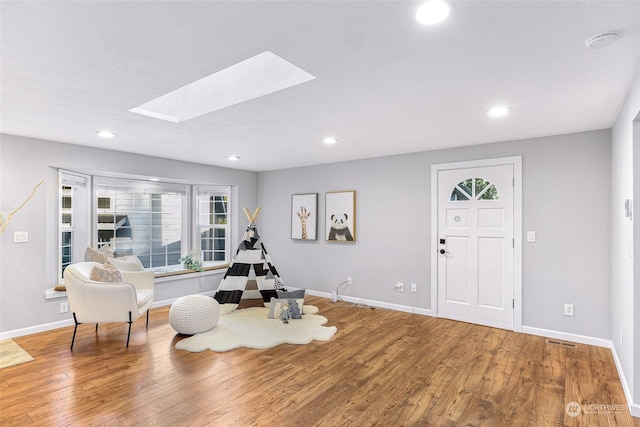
304, 216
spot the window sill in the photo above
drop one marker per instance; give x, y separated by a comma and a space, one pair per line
51, 294
168, 275
178, 269
160, 277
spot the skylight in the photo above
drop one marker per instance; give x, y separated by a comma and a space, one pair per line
259, 75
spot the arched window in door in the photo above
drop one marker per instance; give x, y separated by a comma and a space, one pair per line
474, 189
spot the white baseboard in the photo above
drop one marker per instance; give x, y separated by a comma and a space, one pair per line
251, 294
372, 303
566, 336
69, 322
35, 329
634, 408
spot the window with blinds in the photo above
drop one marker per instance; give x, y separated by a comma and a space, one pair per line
145, 219
158, 222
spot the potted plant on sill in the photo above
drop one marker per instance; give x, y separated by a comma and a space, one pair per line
190, 262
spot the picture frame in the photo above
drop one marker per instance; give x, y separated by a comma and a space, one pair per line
304, 216
340, 216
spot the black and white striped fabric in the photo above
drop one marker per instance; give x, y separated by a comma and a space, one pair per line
251, 260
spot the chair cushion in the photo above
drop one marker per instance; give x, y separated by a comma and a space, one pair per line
106, 273
127, 263
101, 255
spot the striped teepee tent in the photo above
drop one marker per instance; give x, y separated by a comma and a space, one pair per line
251, 260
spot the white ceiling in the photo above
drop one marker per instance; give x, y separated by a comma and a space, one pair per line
384, 84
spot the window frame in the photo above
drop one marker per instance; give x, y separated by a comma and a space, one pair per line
80, 185
86, 209
213, 191
472, 193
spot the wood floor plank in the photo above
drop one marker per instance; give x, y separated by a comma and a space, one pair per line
381, 368
548, 407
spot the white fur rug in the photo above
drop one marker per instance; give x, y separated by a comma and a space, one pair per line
251, 328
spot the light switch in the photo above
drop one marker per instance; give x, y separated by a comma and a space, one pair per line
20, 236
531, 236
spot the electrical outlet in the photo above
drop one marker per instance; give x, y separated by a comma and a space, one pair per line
64, 307
414, 287
400, 287
568, 309
20, 237
349, 280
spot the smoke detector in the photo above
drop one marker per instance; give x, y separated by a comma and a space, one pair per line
601, 40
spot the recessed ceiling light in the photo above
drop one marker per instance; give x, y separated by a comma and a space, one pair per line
154, 179
433, 12
498, 111
105, 134
330, 140
601, 40
233, 158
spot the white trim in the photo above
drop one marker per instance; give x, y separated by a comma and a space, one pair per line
179, 277
566, 336
372, 303
474, 321
36, 329
212, 190
517, 250
516, 162
51, 294
634, 408
434, 240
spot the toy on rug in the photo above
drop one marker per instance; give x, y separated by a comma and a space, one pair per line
285, 315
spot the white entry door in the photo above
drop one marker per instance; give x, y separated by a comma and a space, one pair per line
476, 245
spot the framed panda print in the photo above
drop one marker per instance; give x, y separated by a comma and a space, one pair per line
340, 216
304, 216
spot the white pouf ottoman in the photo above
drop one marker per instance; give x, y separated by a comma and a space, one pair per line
193, 314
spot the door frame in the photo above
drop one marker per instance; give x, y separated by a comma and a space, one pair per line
516, 162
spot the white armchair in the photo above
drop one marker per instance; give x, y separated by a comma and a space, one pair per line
105, 302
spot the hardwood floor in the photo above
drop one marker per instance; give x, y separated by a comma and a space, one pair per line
382, 368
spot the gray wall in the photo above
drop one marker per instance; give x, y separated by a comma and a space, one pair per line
566, 182
27, 269
566, 185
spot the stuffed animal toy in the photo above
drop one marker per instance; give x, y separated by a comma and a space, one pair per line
285, 315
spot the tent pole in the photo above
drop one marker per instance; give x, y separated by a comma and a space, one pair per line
251, 218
